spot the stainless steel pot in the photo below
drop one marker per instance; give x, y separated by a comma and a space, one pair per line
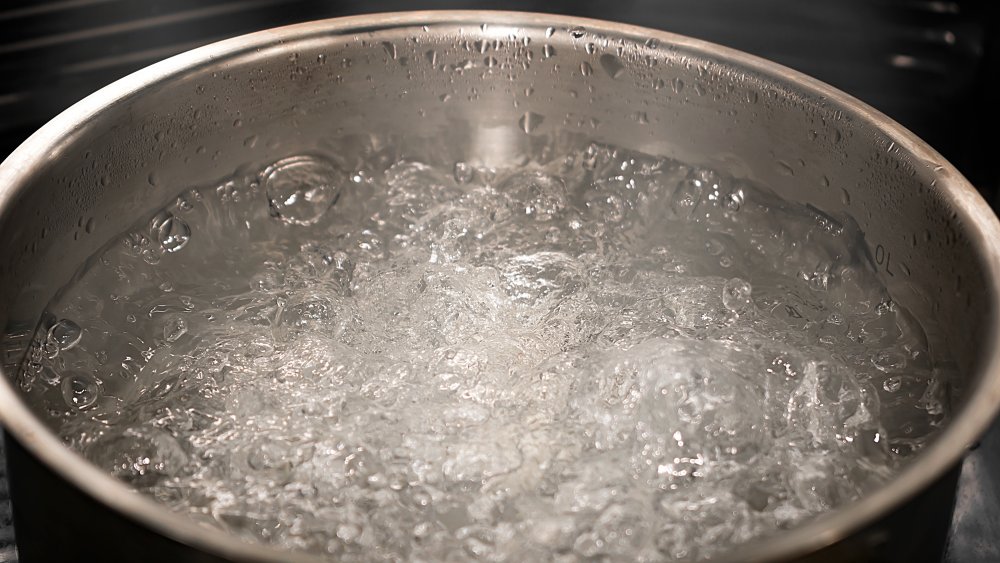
486, 86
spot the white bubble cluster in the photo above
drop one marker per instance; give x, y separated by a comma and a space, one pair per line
597, 354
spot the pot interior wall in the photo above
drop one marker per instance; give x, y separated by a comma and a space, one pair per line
489, 94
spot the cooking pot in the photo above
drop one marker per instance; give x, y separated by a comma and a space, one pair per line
486, 87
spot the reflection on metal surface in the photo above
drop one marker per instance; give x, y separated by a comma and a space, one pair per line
848, 44
879, 51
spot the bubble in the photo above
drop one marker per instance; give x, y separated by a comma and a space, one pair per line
609, 208
588, 545
139, 456
185, 202
714, 247
80, 390
377, 481
50, 348
889, 360
152, 255
536, 195
271, 454
686, 198
301, 189
463, 172
818, 280
341, 269
892, 384
268, 280
173, 233
932, 399
65, 334
421, 497
735, 200
348, 532
885, 307
174, 328
736, 296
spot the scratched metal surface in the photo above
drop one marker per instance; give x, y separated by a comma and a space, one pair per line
932, 65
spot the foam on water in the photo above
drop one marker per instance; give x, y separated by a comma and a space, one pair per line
601, 355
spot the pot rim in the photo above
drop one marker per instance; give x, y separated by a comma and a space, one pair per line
942, 454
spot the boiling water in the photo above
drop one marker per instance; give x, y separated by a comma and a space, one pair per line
599, 354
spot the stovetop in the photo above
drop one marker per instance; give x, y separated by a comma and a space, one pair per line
933, 65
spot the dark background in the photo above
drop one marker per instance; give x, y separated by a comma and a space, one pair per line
934, 66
